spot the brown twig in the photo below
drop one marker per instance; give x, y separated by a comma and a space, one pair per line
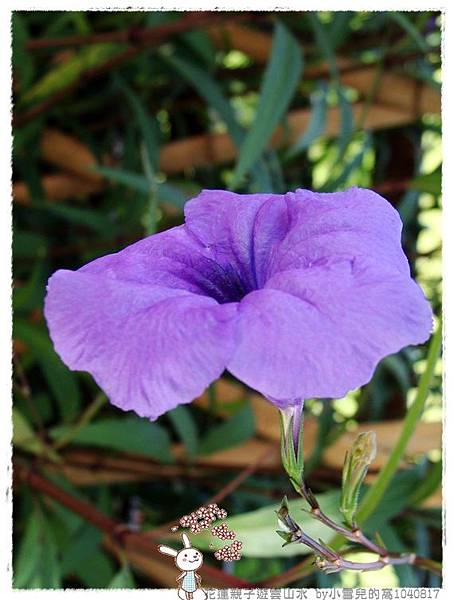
138, 35
228, 489
116, 531
147, 39
242, 476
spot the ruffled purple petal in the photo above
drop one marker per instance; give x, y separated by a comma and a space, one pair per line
150, 348
356, 222
320, 331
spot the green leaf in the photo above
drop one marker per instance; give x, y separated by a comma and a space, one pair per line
126, 434
84, 543
402, 20
325, 43
339, 28
123, 579
232, 432
377, 490
24, 437
66, 73
85, 217
212, 93
199, 41
429, 183
353, 164
21, 59
35, 568
95, 571
60, 380
146, 123
429, 485
166, 193
186, 428
31, 294
257, 529
317, 124
279, 84
346, 124
209, 89
28, 244
393, 542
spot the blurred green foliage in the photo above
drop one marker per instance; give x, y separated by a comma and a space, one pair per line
184, 85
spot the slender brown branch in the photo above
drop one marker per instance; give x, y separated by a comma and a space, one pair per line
138, 35
228, 489
242, 476
148, 38
116, 531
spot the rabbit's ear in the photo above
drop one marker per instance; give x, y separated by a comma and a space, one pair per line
186, 541
167, 550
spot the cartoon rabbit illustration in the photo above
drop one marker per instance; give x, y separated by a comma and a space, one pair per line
188, 560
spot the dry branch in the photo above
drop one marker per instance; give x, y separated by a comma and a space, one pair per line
120, 538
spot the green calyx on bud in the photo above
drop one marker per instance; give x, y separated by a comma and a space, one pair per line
357, 461
292, 444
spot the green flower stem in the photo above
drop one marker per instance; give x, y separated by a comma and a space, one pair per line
379, 487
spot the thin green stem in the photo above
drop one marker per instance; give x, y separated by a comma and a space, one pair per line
85, 418
376, 491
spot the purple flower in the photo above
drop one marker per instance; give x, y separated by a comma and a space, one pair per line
297, 295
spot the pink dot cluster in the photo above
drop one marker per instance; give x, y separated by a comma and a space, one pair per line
223, 532
230, 553
202, 518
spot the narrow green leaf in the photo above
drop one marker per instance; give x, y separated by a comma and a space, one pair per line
317, 124
210, 90
123, 579
279, 84
186, 428
401, 19
25, 437
347, 124
429, 183
429, 485
234, 431
78, 216
404, 573
339, 29
257, 529
22, 60
325, 43
146, 123
34, 568
212, 93
166, 193
64, 74
61, 381
376, 491
84, 543
130, 434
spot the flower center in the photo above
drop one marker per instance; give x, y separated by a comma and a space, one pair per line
224, 283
